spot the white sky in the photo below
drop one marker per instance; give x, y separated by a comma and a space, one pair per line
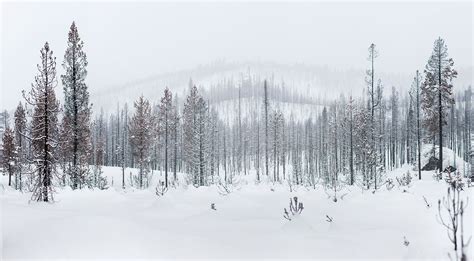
126, 41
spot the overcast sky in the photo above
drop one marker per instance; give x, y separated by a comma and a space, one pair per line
126, 41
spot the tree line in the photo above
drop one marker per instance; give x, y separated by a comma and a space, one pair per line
350, 141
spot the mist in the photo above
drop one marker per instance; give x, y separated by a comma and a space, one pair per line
127, 42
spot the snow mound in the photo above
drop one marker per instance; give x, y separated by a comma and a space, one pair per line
449, 157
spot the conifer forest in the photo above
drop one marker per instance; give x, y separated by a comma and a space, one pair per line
237, 130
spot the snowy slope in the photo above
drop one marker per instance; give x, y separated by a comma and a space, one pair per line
252, 108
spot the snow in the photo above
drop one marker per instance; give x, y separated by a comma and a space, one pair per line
248, 222
449, 158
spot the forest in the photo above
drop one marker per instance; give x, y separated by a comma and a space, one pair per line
353, 143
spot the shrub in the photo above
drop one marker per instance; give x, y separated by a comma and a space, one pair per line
295, 209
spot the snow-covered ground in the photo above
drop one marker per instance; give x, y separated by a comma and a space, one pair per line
248, 223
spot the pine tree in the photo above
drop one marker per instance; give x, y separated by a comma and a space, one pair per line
365, 150
436, 92
175, 130
195, 120
202, 121
77, 110
140, 128
266, 119
351, 140
165, 125
373, 102
394, 100
9, 154
99, 151
20, 133
417, 81
124, 139
44, 125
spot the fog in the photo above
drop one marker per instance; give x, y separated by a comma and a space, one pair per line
128, 41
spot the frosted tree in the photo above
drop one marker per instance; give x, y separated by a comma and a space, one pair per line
44, 125
324, 160
394, 133
365, 150
374, 93
410, 131
266, 119
175, 132
276, 127
99, 151
436, 92
333, 150
203, 141
296, 153
416, 85
213, 136
350, 108
370, 80
140, 128
21, 144
124, 144
166, 118
9, 154
195, 121
4, 120
77, 110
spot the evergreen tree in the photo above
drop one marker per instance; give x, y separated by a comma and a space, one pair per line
417, 81
165, 124
266, 119
436, 92
21, 148
9, 154
44, 125
140, 128
195, 119
77, 110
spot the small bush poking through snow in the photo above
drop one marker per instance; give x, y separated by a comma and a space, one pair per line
438, 176
389, 184
161, 189
295, 209
226, 187
404, 180
213, 206
455, 180
405, 241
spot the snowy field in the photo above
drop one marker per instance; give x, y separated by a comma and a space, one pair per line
247, 223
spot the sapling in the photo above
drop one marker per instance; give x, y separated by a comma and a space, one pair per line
453, 221
161, 189
295, 209
389, 184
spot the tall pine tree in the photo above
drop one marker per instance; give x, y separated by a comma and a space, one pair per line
77, 110
140, 128
44, 125
437, 92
